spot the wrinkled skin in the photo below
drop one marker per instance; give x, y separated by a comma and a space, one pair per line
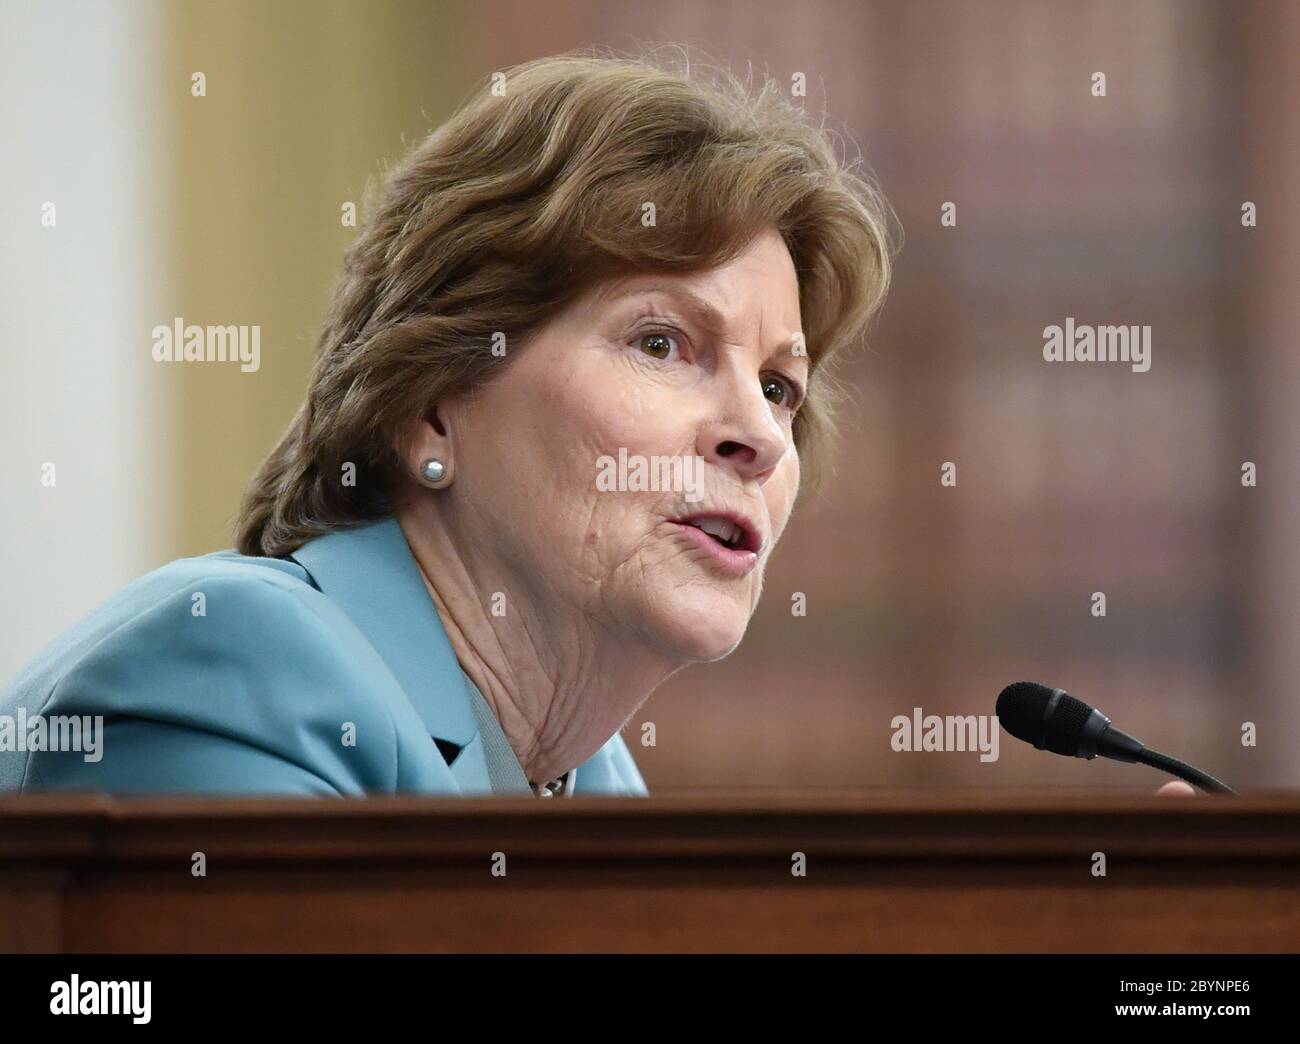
604, 595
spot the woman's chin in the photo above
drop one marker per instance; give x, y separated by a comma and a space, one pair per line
702, 629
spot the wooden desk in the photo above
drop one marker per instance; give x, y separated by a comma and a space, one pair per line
970, 871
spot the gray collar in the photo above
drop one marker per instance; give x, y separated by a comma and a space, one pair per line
504, 770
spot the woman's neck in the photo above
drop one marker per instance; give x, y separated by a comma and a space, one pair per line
559, 685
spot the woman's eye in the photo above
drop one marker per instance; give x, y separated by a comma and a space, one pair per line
657, 345
777, 391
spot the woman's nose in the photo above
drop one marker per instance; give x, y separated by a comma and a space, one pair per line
745, 437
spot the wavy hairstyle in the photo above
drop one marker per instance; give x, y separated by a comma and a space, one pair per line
528, 196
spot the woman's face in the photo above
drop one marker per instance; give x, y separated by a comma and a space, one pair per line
650, 410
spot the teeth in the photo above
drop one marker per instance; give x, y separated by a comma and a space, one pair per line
728, 532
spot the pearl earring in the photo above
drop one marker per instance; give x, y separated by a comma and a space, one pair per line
433, 470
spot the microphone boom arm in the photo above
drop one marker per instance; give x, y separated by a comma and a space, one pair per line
1183, 771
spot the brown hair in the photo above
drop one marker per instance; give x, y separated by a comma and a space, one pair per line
530, 194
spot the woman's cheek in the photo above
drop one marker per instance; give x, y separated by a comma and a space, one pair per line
779, 512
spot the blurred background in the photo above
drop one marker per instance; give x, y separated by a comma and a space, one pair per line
1071, 478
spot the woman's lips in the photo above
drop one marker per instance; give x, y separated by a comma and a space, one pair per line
733, 561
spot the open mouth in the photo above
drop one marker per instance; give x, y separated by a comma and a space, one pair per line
727, 531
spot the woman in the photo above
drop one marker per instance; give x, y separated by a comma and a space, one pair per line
554, 431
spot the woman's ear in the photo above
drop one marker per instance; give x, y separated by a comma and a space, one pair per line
429, 451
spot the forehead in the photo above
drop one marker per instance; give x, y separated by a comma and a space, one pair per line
757, 287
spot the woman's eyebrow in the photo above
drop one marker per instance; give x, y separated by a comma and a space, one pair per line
707, 313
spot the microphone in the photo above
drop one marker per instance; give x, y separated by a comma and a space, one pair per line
1052, 719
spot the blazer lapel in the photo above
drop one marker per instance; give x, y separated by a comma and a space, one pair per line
370, 574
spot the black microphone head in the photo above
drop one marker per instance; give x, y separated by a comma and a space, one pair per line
1050, 719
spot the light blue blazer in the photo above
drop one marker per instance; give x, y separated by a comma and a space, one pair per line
328, 673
